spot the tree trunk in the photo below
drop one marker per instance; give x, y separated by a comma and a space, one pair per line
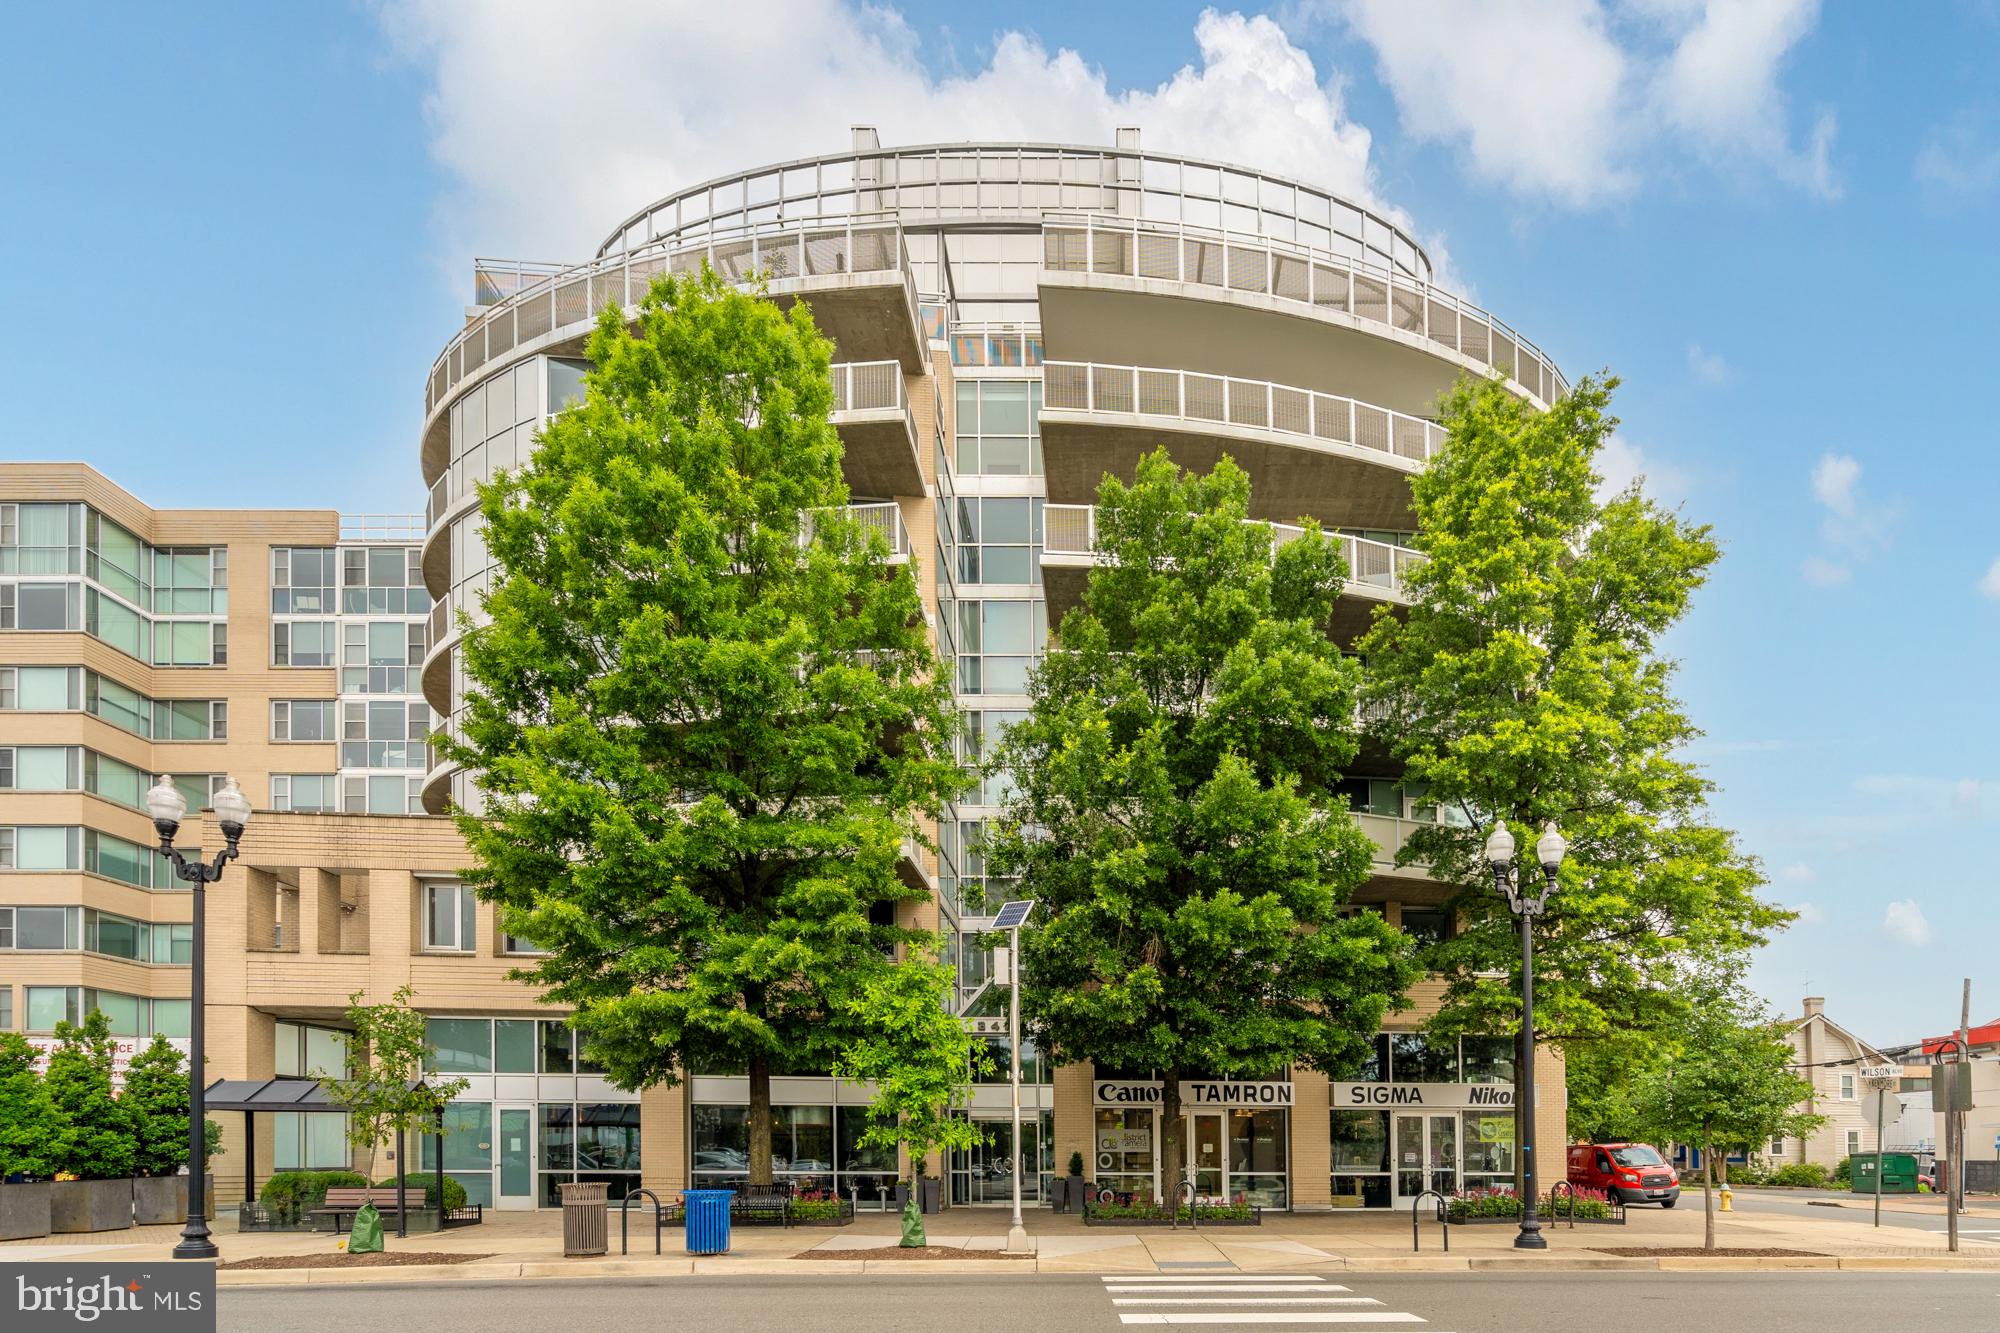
760, 1121
1708, 1197
1173, 1139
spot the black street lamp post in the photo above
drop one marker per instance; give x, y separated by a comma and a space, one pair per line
232, 811
1549, 849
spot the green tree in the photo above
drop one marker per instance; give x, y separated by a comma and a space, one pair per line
382, 1088
1175, 805
911, 1046
1730, 1084
27, 1117
706, 714
93, 1138
1527, 682
158, 1100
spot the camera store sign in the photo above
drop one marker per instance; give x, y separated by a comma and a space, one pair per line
1196, 1093
1365, 1096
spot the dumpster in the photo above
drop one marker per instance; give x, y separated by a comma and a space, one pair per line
585, 1225
1899, 1173
708, 1221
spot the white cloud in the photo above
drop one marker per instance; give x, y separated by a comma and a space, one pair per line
1834, 478
1989, 582
1904, 922
1959, 160
1574, 101
1709, 367
1824, 573
1532, 93
1621, 462
1797, 874
552, 140
1720, 86
1810, 914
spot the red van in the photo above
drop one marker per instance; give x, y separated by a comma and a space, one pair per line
1627, 1172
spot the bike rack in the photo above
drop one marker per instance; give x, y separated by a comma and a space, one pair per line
1444, 1219
1568, 1191
1194, 1211
625, 1219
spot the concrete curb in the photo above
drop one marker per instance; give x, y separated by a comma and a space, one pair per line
543, 1271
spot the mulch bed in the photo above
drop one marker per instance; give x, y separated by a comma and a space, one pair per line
912, 1253
1697, 1251
384, 1259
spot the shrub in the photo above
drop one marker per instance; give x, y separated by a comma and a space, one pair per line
1238, 1210
27, 1117
1844, 1172
454, 1193
813, 1206
1076, 1163
93, 1130
156, 1098
1586, 1204
1800, 1175
290, 1195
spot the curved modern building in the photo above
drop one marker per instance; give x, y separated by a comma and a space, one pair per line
1011, 322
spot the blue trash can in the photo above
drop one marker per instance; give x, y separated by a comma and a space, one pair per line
708, 1221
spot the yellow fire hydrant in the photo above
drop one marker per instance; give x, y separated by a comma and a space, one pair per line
1724, 1197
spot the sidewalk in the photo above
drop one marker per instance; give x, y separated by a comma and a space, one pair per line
529, 1245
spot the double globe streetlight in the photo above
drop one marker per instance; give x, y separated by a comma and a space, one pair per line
168, 807
1507, 878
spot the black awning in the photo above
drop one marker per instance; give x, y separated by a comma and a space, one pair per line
285, 1093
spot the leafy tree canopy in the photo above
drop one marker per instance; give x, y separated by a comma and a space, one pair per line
1175, 806
93, 1131
27, 1117
159, 1101
1527, 682
706, 714
382, 1089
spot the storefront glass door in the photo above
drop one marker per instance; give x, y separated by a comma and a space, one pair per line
514, 1155
1205, 1157
984, 1173
1426, 1154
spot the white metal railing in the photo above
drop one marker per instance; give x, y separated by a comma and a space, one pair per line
1081, 386
382, 527
440, 500
885, 517
1258, 264
867, 386
1072, 530
810, 247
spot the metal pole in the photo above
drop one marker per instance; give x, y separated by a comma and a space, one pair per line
1881, 1095
1530, 1236
1017, 1234
195, 1240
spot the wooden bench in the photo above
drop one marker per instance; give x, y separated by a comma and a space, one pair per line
347, 1200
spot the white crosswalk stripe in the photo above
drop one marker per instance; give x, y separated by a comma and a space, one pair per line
1209, 1300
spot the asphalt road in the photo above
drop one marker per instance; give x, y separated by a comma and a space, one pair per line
1805, 1302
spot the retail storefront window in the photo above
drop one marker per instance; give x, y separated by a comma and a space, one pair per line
1361, 1159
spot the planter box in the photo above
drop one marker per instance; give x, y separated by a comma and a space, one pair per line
162, 1199
91, 1205
24, 1210
929, 1200
1256, 1219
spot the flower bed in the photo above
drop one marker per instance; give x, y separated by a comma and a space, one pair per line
1481, 1206
1239, 1213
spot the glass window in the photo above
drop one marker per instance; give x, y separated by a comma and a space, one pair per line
607, 1136
115, 858
1489, 1059
556, 1057
513, 1045
46, 848
1416, 1058
463, 1045
40, 689
122, 1010
49, 1005
1489, 1148
1257, 1156
170, 1018
721, 1138
1375, 1066
44, 928
448, 917
558, 1137
1427, 925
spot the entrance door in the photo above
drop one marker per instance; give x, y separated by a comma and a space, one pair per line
514, 1155
984, 1173
1426, 1154
1206, 1153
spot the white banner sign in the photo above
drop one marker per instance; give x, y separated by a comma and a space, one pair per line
1197, 1094
123, 1049
1449, 1096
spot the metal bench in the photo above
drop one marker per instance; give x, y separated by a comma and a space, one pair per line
763, 1205
346, 1200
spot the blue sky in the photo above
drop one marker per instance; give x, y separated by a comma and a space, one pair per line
235, 236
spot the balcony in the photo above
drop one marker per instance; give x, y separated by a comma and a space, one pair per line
855, 273
1235, 304
1375, 569
877, 430
1309, 454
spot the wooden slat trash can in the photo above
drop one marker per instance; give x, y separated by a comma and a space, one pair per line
585, 1217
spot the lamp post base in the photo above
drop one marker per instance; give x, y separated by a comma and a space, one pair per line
1530, 1236
1017, 1240
195, 1241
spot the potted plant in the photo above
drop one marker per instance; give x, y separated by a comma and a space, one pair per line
92, 1148
157, 1100
1074, 1196
27, 1126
